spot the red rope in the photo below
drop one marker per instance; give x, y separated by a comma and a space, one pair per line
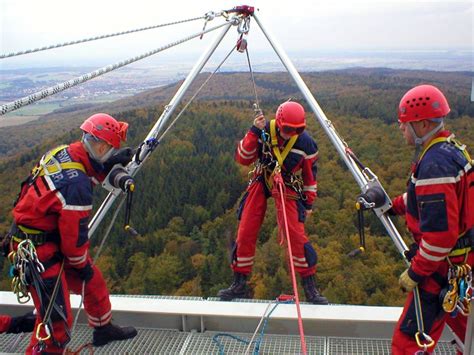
279, 181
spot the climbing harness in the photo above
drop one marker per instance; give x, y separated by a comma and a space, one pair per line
26, 270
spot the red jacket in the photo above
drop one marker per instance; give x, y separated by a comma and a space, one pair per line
302, 156
61, 203
438, 204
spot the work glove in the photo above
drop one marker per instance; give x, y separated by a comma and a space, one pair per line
122, 156
86, 273
22, 324
407, 284
374, 197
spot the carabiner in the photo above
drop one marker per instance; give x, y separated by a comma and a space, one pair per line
244, 25
424, 346
46, 330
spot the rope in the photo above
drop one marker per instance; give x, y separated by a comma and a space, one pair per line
247, 351
256, 350
253, 79
195, 94
27, 100
14, 54
219, 344
279, 181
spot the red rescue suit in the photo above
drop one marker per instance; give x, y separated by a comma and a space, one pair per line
438, 207
4, 323
61, 204
302, 157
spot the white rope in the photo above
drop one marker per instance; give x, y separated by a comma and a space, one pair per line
247, 351
27, 100
14, 54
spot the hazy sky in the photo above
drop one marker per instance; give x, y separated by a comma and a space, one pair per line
312, 26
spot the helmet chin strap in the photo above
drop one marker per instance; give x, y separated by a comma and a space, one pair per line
419, 141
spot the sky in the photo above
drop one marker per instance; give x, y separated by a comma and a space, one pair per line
304, 26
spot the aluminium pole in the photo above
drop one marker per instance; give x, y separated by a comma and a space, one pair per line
361, 177
133, 166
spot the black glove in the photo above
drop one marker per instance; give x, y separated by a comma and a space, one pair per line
411, 252
22, 324
86, 273
5, 244
122, 156
374, 197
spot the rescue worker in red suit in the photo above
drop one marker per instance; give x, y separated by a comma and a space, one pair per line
15, 325
53, 210
296, 152
439, 210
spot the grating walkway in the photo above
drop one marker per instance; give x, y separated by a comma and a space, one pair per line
163, 341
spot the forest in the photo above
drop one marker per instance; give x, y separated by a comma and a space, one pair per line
187, 194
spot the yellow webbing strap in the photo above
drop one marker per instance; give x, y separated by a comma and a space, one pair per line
461, 147
49, 165
281, 156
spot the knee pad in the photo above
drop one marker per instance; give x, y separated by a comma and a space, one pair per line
310, 254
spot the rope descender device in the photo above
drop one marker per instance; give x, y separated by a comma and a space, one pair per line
128, 209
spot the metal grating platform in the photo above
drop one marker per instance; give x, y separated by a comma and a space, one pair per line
344, 346
169, 341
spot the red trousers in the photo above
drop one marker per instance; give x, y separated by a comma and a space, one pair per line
4, 323
433, 315
96, 304
251, 214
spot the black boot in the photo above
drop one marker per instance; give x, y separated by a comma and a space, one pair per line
238, 289
22, 324
110, 332
311, 292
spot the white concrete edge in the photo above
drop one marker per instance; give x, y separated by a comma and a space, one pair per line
349, 313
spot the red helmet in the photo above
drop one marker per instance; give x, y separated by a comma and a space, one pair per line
423, 102
106, 128
290, 118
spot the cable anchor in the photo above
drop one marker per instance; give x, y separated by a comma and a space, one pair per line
209, 16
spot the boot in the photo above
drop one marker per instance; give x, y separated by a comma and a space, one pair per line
110, 332
22, 324
238, 289
311, 292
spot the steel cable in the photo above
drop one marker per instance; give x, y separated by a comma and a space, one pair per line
27, 100
58, 45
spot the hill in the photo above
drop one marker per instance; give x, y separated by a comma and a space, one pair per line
367, 93
190, 187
